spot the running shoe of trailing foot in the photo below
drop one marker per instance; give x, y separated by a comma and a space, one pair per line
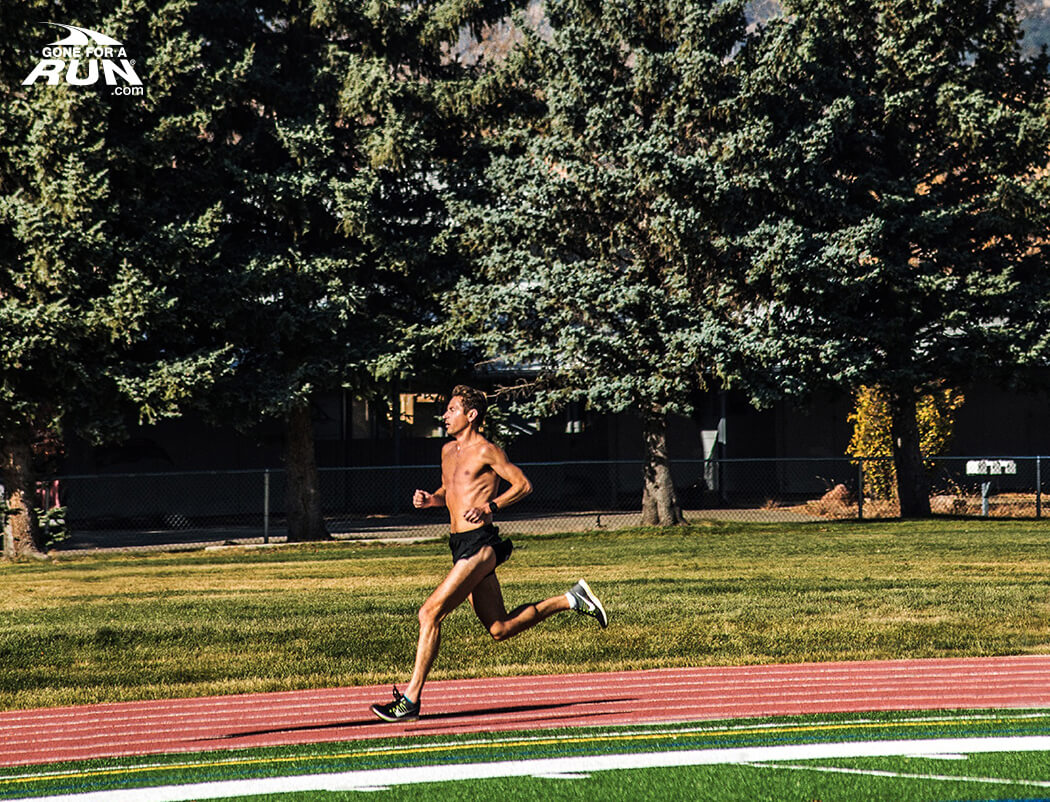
401, 709
588, 604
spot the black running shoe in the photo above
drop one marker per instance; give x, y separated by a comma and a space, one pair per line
588, 603
398, 710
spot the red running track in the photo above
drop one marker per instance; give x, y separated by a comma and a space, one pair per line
522, 703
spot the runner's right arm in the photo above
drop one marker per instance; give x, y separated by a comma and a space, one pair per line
421, 498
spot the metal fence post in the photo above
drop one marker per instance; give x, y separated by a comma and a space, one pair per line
860, 489
266, 506
5, 520
1038, 487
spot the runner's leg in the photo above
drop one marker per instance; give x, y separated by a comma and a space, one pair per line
487, 600
456, 586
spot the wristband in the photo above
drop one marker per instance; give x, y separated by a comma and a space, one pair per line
493, 506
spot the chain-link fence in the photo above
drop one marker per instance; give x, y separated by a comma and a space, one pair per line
166, 510
822, 488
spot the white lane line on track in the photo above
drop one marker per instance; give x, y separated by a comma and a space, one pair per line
855, 683
373, 778
901, 775
977, 670
36, 729
38, 732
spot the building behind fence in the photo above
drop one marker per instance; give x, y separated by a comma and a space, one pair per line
164, 510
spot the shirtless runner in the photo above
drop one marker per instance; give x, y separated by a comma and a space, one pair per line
471, 469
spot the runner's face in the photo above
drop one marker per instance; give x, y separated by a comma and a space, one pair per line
455, 418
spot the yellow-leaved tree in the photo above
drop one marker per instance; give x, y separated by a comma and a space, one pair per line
871, 434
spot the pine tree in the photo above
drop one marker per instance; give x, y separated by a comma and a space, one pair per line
309, 144
596, 236
895, 153
260, 224
80, 289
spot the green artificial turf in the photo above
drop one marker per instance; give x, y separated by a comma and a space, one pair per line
723, 783
998, 775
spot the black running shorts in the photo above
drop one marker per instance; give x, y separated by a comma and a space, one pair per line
465, 545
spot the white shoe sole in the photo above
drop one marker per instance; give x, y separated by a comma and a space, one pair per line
602, 616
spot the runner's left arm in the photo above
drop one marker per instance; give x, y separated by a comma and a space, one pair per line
520, 486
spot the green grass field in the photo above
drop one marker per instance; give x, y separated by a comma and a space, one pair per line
119, 627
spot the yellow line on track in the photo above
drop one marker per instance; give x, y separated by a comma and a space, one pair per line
605, 737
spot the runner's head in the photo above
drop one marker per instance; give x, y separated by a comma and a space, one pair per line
472, 400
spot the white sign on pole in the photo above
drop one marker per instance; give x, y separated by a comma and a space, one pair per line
990, 467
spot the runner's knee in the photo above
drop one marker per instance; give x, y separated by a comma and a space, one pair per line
429, 615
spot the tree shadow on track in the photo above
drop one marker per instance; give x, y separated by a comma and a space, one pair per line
427, 719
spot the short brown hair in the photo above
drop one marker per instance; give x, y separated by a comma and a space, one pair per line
472, 399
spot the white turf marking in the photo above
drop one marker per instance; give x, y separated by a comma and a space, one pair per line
899, 775
375, 778
939, 757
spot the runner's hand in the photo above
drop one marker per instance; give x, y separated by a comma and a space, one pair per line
476, 515
421, 498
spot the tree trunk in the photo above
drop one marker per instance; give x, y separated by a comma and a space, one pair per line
913, 484
22, 535
303, 502
659, 502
